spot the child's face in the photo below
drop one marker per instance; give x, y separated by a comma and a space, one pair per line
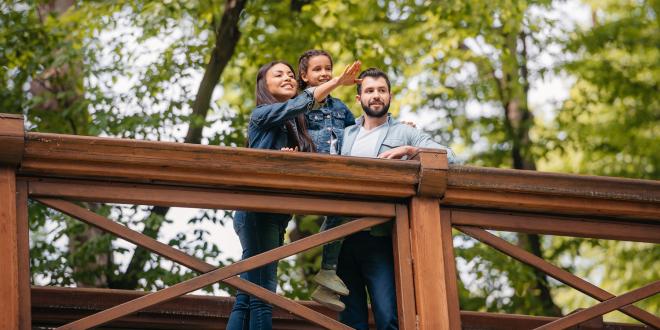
319, 70
281, 82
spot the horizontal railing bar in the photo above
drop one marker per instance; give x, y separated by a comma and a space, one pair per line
206, 198
191, 262
603, 307
551, 204
56, 155
559, 184
624, 230
223, 273
56, 305
556, 272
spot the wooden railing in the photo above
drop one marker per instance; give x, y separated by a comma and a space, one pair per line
424, 197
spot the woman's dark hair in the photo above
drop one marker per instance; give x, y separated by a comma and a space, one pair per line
296, 127
303, 64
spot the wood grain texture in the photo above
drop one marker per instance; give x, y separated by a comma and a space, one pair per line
12, 139
9, 277
23, 244
623, 230
403, 270
146, 161
431, 294
162, 195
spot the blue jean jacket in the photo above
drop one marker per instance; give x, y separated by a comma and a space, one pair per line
326, 125
266, 129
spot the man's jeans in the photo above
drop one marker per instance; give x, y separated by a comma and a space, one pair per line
258, 232
367, 260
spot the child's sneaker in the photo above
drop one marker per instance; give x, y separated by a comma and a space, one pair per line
327, 298
329, 279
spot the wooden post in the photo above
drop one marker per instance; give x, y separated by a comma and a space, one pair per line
436, 296
12, 139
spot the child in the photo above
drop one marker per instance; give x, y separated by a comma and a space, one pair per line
326, 128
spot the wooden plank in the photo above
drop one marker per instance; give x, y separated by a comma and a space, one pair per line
146, 161
403, 270
552, 204
187, 260
9, 276
54, 306
556, 272
451, 276
558, 184
206, 198
23, 244
223, 273
603, 307
623, 230
12, 139
431, 296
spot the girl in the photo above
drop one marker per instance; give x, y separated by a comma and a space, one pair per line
326, 128
277, 122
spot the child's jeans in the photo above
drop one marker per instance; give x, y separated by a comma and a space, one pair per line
331, 250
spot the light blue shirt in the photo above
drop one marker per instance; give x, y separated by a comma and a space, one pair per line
395, 134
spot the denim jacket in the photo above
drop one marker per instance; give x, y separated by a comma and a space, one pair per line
396, 135
326, 125
266, 129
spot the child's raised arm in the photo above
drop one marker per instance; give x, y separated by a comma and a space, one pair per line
347, 78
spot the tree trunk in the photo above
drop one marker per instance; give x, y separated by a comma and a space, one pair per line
518, 121
227, 35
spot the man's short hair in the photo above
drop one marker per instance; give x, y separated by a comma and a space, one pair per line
373, 73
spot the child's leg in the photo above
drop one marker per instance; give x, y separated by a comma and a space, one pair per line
331, 250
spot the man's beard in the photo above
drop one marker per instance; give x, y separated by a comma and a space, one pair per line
375, 113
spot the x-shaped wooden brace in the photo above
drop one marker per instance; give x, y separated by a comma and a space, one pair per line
211, 273
569, 279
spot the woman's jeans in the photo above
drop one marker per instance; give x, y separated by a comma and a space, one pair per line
258, 232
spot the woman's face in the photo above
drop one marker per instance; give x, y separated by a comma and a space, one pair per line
281, 82
319, 70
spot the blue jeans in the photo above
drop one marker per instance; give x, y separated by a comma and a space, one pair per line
368, 261
331, 250
258, 232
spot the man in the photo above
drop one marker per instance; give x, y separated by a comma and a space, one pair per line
366, 258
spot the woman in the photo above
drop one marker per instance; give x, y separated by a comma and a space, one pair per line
277, 122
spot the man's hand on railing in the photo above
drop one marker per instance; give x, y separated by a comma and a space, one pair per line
290, 149
399, 152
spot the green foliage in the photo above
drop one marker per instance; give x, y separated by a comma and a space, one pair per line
611, 123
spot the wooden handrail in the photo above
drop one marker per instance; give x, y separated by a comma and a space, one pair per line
133, 161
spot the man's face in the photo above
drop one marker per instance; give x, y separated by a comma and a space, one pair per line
374, 97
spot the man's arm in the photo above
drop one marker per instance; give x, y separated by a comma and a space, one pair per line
419, 140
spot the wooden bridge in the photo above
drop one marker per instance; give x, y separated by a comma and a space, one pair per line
424, 197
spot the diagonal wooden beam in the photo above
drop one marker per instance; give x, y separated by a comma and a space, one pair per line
223, 273
603, 307
191, 262
556, 272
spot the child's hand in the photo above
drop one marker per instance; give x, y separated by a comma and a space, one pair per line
348, 77
289, 149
